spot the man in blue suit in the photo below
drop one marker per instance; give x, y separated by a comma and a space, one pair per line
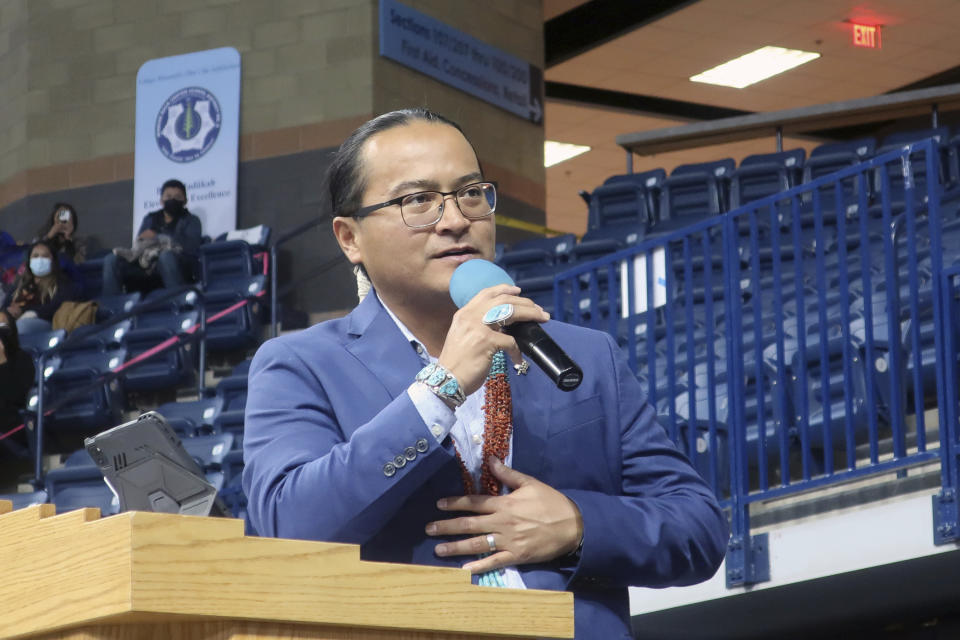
396, 427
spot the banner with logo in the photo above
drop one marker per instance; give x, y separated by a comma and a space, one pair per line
188, 128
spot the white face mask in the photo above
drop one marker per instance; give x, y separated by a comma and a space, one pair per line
40, 266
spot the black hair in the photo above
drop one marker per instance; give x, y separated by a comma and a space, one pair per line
8, 335
345, 180
52, 218
176, 184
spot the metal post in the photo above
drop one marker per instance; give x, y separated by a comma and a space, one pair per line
273, 291
779, 139
202, 365
935, 115
38, 428
629, 161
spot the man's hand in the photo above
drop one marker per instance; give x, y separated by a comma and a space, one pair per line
15, 310
533, 523
469, 346
147, 234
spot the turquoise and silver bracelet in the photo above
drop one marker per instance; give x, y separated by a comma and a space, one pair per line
442, 383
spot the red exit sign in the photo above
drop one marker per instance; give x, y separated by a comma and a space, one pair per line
865, 35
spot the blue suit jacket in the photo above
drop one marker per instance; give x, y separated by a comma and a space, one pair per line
327, 408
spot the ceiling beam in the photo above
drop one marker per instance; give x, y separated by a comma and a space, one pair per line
597, 21
636, 103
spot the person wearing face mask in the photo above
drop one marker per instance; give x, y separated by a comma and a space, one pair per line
40, 290
174, 234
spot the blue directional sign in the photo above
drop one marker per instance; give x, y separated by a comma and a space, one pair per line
429, 46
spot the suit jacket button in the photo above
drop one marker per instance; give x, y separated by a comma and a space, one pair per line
422, 445
410, 453
399, 461
389, 469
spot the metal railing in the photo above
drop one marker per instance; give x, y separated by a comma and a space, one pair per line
784, 344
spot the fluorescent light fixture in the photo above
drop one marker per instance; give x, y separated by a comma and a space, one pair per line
755, 66
557, 152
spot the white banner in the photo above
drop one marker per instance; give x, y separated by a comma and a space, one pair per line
188, 128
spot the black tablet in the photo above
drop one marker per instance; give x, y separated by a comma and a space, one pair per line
146, 466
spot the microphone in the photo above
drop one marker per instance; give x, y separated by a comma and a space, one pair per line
475, 275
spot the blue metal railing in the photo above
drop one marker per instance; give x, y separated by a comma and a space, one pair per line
785, 344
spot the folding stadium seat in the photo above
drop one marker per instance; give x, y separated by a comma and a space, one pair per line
650, 180
41, 341
241, 327
176, 365
826, 378
21, 500
209, 451
110, 306
230, 259
529, 257
918, 166
710, 454
196, 417
830, 158
764, 175
598, 243
619, 204
78, 486
97, 409
692, 193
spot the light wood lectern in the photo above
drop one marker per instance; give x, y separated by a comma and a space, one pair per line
153, 576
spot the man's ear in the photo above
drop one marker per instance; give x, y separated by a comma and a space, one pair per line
347, 232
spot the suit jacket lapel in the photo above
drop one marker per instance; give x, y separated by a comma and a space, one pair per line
530, 408
381, 347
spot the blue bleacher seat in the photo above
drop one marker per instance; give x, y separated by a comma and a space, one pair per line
763, 175
98, 409
175, 365
21, 500
80, 486
209, 451
241, 328
110, 306
41, 341
225, 261
862, 148
691, 193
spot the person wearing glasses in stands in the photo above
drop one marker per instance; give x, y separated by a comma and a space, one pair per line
416, 430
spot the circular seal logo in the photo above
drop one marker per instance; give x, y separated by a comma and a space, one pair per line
188, 124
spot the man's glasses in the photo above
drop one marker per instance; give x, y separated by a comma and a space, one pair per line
425, 208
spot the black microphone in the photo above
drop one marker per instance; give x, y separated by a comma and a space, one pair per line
473, 276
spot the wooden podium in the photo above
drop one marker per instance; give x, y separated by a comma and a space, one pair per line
153, 576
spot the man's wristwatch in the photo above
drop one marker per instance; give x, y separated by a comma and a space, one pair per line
442, 383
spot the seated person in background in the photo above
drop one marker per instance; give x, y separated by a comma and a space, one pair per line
60, 229
17, 374
40, 290
172, 260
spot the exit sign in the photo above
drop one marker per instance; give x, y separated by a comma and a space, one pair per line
866, 36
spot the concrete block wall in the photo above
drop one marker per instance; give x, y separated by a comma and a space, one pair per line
311, 73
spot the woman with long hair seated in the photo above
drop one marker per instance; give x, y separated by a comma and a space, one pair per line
40, 290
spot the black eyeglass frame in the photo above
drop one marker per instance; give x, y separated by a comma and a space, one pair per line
365, 211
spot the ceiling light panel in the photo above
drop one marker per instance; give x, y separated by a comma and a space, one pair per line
755, 66
557, 152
